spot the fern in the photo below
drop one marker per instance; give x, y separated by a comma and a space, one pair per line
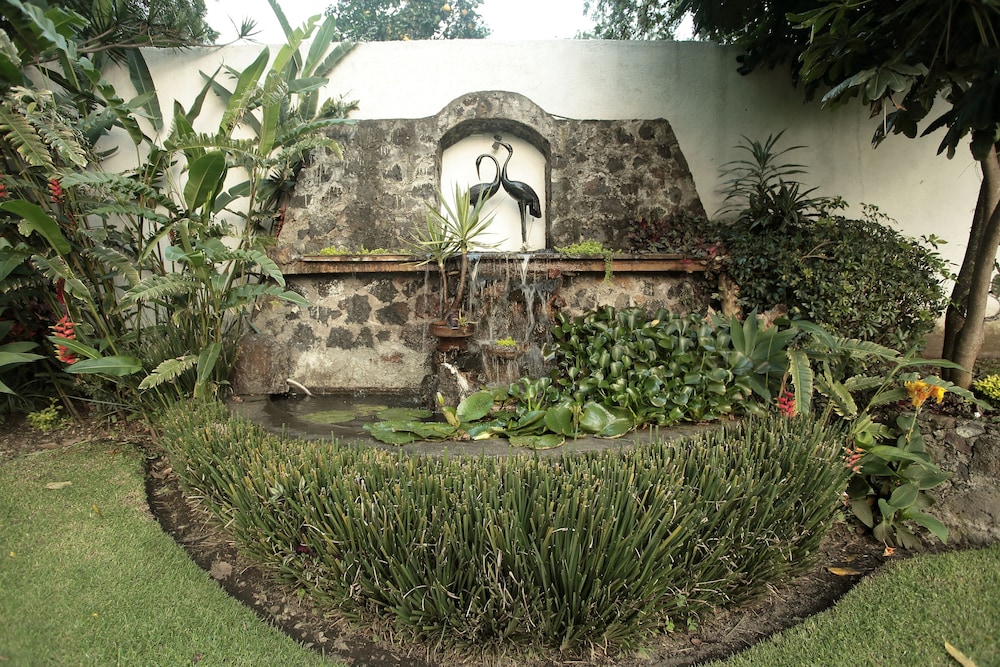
154, 288
120, 263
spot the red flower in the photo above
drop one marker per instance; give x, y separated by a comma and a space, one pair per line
55, 191
786, 403
64, 329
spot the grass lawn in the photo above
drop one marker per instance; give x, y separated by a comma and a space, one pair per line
88, 578
903, 616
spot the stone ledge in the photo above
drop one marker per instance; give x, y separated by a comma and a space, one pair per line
335, 264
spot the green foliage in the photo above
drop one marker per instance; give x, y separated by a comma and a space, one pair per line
633, 19
585, 248
888, 489
151, 275
989, 387
614, 371
391, 20
761, 194
857, 277
599, 549
47, 419
659, 368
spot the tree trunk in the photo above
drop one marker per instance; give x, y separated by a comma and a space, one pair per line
966, 315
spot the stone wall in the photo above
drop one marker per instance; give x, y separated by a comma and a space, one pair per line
599, 174
368, 331
969, 502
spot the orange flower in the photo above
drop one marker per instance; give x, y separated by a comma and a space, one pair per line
920, 391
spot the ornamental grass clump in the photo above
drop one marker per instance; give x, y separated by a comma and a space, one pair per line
571, 553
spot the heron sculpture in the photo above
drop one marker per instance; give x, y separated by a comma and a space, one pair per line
484, 190
527, 200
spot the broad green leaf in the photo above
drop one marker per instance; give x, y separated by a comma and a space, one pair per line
387, 432
117, 366
475, 407
143, 82
205, 177
35, 219
8, 358
890, 453
206, 367
904, 496
931, 523
75, 346
560, 420
801, 375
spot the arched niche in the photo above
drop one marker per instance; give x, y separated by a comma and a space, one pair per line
525, 163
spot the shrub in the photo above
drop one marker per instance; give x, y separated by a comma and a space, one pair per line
570, 552
989, 388
857, 277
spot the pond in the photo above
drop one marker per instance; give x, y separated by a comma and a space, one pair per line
342, 417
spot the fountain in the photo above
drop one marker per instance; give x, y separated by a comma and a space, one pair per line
367, 327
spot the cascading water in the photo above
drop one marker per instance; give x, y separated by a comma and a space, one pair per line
512, 306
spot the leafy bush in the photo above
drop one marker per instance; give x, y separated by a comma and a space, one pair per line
575, 552
989, 387
857, 277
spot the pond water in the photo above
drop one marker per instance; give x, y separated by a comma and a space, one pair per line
330, 416
342, 417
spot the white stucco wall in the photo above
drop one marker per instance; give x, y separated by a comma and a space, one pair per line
693, 85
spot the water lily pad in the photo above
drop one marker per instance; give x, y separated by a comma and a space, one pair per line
330, 417
385, 432
403, 414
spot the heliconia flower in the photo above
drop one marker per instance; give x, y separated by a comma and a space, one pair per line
3, 191
786, 404
55, 191
853, 459
64, 328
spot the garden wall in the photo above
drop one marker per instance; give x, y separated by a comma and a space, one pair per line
685, 98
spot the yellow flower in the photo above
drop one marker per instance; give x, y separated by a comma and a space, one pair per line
920, 391
446, 8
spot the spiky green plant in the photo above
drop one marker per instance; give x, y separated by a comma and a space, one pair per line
598, 549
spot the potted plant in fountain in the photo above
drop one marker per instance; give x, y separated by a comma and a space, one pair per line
451, 229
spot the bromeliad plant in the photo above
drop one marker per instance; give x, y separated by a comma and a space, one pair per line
451, 228
892, 470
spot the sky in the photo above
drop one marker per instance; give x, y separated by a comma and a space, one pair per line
508, 19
